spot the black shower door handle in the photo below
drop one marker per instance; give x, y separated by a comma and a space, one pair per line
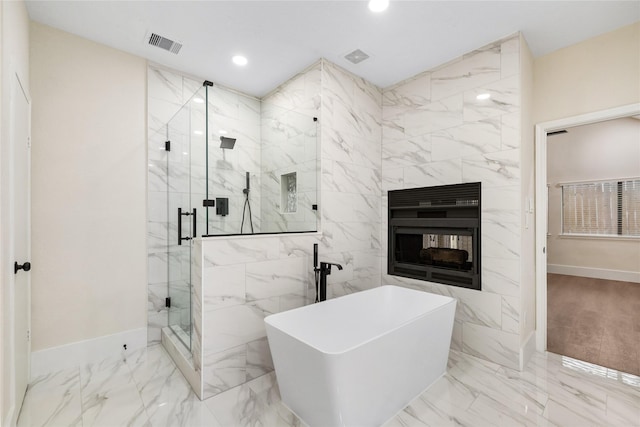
195, 217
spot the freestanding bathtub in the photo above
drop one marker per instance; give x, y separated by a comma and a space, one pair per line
358, 360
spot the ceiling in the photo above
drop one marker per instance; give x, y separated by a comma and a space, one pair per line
281, 38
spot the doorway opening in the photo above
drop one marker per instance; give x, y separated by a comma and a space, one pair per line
565, 281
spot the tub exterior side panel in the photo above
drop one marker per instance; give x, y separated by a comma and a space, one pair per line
306, 379
380, 378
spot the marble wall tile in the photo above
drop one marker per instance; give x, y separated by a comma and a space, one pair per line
474, 69
456, 336
480, 308
464, 139
501, 276
298, 246
501, 240
511, 314
157, 206
349, 207
350, 178
491, 344
412, 93
157, 267
496, 199
483, 136
366, 264
353, 236
339, 146
224, 286
393, 127
230, 327
289, 145
438, 115
392, 179
434, 173
259, 361
276, 278
238, 251
407, 152
505, 98
510, 130
497, 169
197, 307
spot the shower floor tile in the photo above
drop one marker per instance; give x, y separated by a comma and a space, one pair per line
147, 389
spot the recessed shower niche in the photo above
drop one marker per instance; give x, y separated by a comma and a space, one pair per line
289, 192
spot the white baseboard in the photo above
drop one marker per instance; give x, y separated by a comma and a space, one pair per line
81, 352
596, 273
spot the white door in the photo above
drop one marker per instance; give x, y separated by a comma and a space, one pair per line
21, 236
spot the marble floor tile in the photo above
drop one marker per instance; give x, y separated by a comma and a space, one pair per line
169, 401
53, 399
146, 389
120, 405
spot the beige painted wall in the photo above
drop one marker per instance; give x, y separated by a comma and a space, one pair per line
597, 74
14, 58
88, 189
598, 151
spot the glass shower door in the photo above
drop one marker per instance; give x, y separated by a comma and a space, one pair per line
186, 135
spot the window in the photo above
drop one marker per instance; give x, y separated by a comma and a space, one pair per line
608, 208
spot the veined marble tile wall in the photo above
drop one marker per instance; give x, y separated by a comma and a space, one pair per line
350, 203
245, 279
234, 115
290, 146
435, 132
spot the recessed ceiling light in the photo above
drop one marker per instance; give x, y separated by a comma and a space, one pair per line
198, 100
197, 132
239, 60
483, 96
222, 132
378, 5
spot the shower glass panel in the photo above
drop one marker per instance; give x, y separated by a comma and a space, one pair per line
186, 175
263, 169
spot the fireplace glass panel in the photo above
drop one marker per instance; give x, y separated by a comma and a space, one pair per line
445, 249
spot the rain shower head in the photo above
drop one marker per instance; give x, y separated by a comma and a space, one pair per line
227, 142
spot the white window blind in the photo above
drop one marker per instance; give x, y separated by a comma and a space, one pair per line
601, 208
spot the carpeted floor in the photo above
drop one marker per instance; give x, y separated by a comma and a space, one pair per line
594, 320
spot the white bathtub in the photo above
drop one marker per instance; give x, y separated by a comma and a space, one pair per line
358, 360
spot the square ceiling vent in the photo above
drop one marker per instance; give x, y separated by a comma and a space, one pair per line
356, 57
164, 43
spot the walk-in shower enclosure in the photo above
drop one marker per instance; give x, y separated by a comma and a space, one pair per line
230, 164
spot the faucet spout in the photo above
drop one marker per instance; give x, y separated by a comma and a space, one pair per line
325, 270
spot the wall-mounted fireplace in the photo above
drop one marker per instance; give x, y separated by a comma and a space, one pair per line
434, 234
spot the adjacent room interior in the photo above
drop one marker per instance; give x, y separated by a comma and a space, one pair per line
593, 302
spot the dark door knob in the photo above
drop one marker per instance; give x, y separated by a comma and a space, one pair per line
17, 267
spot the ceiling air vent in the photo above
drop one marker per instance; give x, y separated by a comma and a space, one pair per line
356, 56
165, 43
